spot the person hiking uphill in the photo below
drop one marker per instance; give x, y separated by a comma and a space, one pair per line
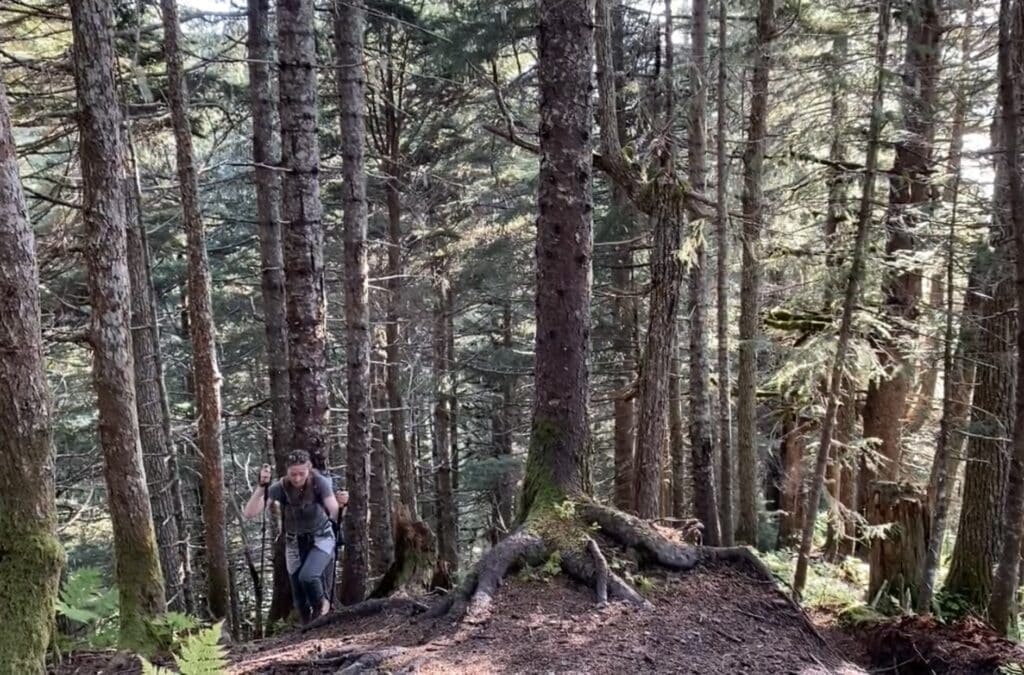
310, 525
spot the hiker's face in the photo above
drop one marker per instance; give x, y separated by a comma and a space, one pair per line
298, 474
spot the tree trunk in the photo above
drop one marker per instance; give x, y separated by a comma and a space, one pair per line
349, 19
677, 446
725, 451
897, 558
201, 326
381, 536
853, 283
610, 62
136, 559
909, 192
502, 425
938, 506
666, 276
921, 409
447, 528
791, 496
31, 563
1003, 604
986, 338
750, 283
560, 434
701, 441
266, 152
304, 236
158, 452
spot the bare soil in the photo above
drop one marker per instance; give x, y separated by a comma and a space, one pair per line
713, 619
710, 620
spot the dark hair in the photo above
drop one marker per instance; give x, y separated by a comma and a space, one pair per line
296, 457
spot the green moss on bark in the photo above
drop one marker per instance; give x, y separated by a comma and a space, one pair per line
540, 487
30, 566
140, 595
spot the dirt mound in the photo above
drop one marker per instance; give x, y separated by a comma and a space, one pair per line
710, 620
913, 645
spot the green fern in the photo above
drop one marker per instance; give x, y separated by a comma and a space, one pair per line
201, 654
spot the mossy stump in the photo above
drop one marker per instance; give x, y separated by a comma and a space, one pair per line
896, 556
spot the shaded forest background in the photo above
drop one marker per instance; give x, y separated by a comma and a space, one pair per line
712, 340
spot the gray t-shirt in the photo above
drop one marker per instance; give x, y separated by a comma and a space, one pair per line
323, 487
325, 541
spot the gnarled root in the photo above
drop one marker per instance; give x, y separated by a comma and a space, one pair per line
591, 568
472, 601
367, 608
639, 534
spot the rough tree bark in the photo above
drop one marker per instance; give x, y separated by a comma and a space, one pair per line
792, 448
836, 217
266, 156
560, 432
349, 18
701, 440
725, 452
909, 191
853, 282
158, 451
381, 535
31, 558
389, 118
304, 236
1003, 603
986, 356
502, 424
676, 502
624, 341
136, 560
447, 529
206, 374
666, 276
266, 153
938, 507
750, 283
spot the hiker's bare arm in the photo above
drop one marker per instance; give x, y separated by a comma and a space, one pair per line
331, 504
258, 498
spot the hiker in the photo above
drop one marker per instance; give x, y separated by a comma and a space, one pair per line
310, 525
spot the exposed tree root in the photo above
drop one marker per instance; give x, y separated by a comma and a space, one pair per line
367, 608
639, 534
472, 602
582, 559
346, 661
591, 568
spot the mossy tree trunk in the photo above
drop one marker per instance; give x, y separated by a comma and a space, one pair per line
136, 559
560, 433
30, 556
201, 326
897, 557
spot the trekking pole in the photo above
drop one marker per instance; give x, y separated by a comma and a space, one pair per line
263, 548
334, 566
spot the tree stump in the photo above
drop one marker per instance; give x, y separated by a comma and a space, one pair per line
897, 555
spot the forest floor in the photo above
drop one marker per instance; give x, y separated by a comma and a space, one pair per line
713, 619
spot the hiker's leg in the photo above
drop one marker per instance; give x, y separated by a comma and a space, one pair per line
293, 560
311, 577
